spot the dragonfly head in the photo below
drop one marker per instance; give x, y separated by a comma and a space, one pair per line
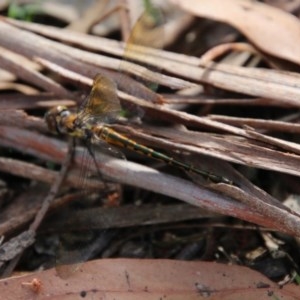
56, 119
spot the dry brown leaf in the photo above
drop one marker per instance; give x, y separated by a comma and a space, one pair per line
270, 29
147, 279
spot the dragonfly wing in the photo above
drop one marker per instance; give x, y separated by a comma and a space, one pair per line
146, 32
103, 103
76, 247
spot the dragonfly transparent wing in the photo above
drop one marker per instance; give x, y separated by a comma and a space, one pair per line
76, 247
102, 105
147, 33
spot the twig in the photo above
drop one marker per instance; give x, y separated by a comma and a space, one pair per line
46, 203
14, 247
55, 187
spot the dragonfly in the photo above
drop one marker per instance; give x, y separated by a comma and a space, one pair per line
92, 124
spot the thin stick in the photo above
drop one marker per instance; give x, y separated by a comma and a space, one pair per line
55, 187
46, 203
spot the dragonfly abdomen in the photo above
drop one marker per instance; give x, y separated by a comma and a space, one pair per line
112, 137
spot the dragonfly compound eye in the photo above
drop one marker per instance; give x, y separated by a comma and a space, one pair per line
54, 116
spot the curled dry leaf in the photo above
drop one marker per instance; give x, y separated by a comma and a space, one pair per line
270, 29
